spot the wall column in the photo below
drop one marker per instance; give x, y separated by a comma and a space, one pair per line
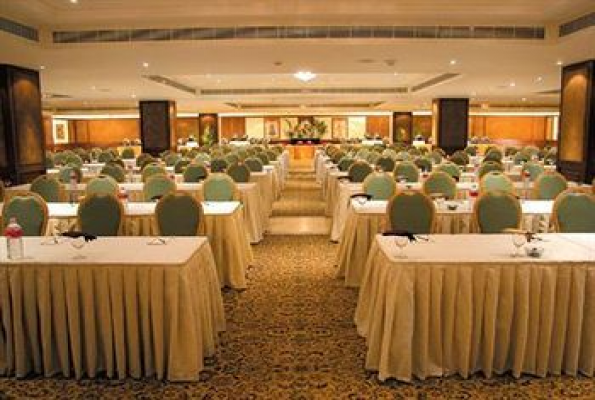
450, 123
402, 127
576, 142
22, 140
157, 126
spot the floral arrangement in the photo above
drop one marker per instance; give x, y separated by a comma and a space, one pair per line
307, 130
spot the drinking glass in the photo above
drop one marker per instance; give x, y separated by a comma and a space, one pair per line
361, 200
401, 242
518, 241
78, 243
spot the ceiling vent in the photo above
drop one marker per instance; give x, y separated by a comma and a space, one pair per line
18, 29
302, 32
171, 83
553, 92
434, 81
291, 91
56, 96
579, 24
254, 106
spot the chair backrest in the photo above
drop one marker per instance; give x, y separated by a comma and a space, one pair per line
436, 157
451, 169
264, 158
48, 188
151, 170
493, 155
181, 165
489, 166
100, 215
195, 173
254, 164
142, 158
239, 172
359, 170
158, 186
534, 169
440, 182
412, 211
380, 185
202, 158
520, 158
496, 181
102, 184
460, 158
171, 159
386, 163
220, 187
574, 212
178, 214
407, 170
424, 163
345, 163
271, 155
65, 173
471, 150
128, 153
30, 212
105, 156
231, 158
115, 171
549, 185
496, 211
218, 165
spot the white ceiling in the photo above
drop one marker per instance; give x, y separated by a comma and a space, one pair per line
102, 75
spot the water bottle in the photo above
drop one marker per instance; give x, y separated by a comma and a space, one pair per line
14, 240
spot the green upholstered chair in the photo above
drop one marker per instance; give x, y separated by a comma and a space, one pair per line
231, 158
218, 165
373, 157
380, 185
74, 159
202, 158
574, 212
171, 159
550, 157
102, 184
520, 158
531, 151
510, 151
271, 155
105, 156
264, 158
496, 181
117, 161
386, 164
549, 185
424, 164
140, 160
471, 150
459, 158
195, 173
178, 214
414, 152
496, 211
70, 170
60, 158
128, 153
359, 170
181, 165
440, 183
152, 170
408, 170
115, 171
493, 155
403, 156
239, 172
220, 187
436, 157
412, 211
390, 153
489, 166
534, 169
30, 212
451, 169
345, 163
100, 215
48, 188
254, 164
158, 186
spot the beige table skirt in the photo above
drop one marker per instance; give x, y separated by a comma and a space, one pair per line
122, 320
438, 319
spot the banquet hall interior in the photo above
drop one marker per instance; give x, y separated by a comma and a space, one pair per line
297, 199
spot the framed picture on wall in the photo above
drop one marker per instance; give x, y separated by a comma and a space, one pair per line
339, 128
272, 128
60, 131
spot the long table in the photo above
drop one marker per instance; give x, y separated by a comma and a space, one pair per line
460, 304
128, 309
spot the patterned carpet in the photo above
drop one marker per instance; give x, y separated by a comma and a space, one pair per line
301, 196
290, 336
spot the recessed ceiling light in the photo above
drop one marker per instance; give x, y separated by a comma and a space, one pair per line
145, 65
453, 62
133, 96
559, 63
395, 73
42, 67
304, 76
512, 84
74, 1
524, 99
93, 87
539, 79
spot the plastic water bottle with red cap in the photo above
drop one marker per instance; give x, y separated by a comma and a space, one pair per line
14, 240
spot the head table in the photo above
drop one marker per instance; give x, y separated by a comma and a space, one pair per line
460, 304
127, 309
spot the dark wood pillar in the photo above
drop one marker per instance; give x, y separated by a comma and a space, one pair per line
402, 127
208, 126
450, 122
576, 144
22, 140
157, 125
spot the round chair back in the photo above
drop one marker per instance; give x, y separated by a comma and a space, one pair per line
48, 188
381, 186
30, 212
178, 214
497, 211
574, 212
100, 215
412, 212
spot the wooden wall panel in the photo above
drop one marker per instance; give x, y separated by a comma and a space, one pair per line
422, 125
232, 126
516, 130
187, 126
378, 125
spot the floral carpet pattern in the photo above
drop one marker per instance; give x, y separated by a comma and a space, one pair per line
290, 335
301, 196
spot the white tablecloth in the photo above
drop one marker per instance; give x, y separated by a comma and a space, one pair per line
367, 220
462, 304
128, 309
